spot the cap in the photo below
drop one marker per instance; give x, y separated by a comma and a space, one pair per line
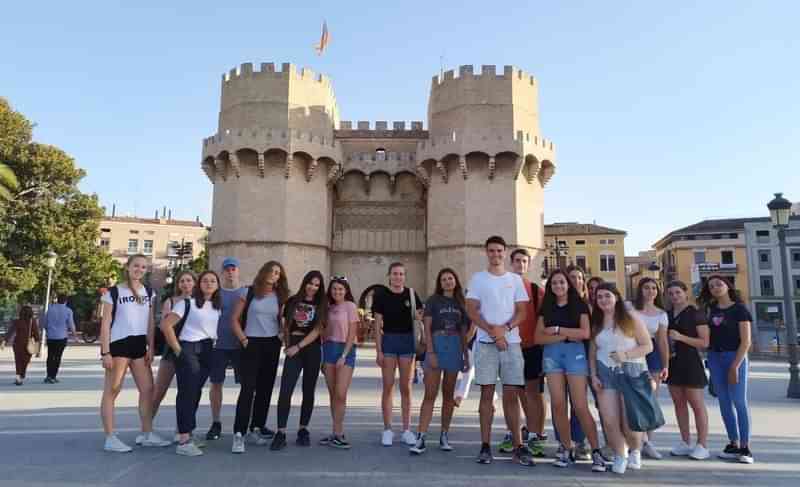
230, 262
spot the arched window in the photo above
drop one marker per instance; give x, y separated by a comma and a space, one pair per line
380, 154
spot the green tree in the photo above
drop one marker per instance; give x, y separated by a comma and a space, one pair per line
8, 183
200, 263
47, 212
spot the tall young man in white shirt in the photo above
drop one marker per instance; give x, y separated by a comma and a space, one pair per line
496, 302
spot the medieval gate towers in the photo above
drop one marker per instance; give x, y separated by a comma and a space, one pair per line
295, 184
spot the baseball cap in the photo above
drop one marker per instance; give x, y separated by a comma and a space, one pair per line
230, 262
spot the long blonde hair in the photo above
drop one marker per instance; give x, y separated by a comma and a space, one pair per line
127, 273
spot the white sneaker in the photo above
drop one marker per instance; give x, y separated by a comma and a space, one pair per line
140, 439
649, 450
116, 445
238, 443
188, 449
635, 460
700, 453
153, 440
387, 438
620, 464
681, 450
409, 438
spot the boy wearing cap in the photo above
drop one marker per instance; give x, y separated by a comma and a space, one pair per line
227, 350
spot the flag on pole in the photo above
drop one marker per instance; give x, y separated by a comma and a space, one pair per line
323, 40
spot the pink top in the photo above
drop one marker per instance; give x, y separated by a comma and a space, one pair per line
339, 318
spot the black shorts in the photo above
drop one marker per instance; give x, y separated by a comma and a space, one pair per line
132, 347
533, 362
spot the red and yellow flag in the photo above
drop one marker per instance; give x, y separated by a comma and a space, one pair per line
324, 39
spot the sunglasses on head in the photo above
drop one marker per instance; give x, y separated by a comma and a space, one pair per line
339, 278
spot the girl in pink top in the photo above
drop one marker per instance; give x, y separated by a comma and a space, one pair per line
339, 354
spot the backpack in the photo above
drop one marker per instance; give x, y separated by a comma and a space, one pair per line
179, 326
114, 290
251, 294
535, 296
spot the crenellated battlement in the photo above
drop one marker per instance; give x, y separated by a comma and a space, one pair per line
484, 138
488, 72
380, 129
287, 71
270, 135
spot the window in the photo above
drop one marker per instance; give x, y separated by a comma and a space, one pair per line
380, 154
762, 236
690, 237
134, 232
562, 243
105, 230
733, 235
580, 242
796, 280
716, 236
795, 259
765, 259
611, 241
105, 243
580, 261
699, 256
608, 263
172, 248
133, 245
726, 257
148, 247
767, 286
603, 242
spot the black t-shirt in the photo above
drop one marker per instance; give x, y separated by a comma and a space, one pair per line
565, 317
686, 323
395, 309
300, 316
724, 324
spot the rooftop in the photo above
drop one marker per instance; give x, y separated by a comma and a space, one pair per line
574, 228
153, 221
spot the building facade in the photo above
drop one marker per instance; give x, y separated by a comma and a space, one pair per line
638, 267
766, 276
693, 253
160, 239
598, 250
295, 184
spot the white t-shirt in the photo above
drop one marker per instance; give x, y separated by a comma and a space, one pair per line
613, 340
497, 296
133, 315
202, 322
654, 322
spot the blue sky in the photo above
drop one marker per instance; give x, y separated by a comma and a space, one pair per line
664, 113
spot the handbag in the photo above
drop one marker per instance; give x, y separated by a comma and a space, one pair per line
419, 327
642, 410
33, 346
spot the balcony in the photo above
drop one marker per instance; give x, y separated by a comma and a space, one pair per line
716, 267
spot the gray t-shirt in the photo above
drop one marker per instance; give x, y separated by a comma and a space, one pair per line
225, 337
262, 317
446, 314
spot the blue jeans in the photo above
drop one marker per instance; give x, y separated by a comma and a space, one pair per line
731, 396
192, 369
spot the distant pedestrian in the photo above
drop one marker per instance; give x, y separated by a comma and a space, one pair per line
19, 334
58, 324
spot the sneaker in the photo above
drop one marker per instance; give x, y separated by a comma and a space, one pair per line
151, 439
620, 464
649, 450
278, 441
339, 442
176, 438
419, 445
238, 443
326, 440
635, 460
682, 449
188, 449
409, 438
199, 441
260, 436
48, 380
745, 456
536, 448
215, 431
598, 462
731, 452
526, 435
523, 456
18, 381
139, 439
582, 452
388, 438
563, 458
55, 381
444, 442
700, 453
116, 445
507, 445
485, 455
303, 437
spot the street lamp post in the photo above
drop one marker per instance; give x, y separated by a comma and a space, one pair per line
50, 262
779, 211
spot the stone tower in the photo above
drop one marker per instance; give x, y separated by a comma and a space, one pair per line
487, 165
294, 184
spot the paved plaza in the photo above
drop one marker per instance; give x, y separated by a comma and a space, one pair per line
50, 435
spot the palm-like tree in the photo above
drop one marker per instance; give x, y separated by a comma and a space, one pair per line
8, 182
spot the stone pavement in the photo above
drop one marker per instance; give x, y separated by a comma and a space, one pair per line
50, 435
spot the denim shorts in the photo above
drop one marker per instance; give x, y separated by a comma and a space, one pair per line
609, 378
399, 345
565, 358
332, 351
653, 358
220, 359
449, 356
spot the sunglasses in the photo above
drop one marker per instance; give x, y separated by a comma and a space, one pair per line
338, 278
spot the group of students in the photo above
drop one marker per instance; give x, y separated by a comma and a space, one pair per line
574, 336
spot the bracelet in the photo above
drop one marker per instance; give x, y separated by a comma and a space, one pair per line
558, 330
103, 354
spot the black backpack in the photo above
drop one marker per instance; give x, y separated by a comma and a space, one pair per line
251, 294
179, 326
114, 290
